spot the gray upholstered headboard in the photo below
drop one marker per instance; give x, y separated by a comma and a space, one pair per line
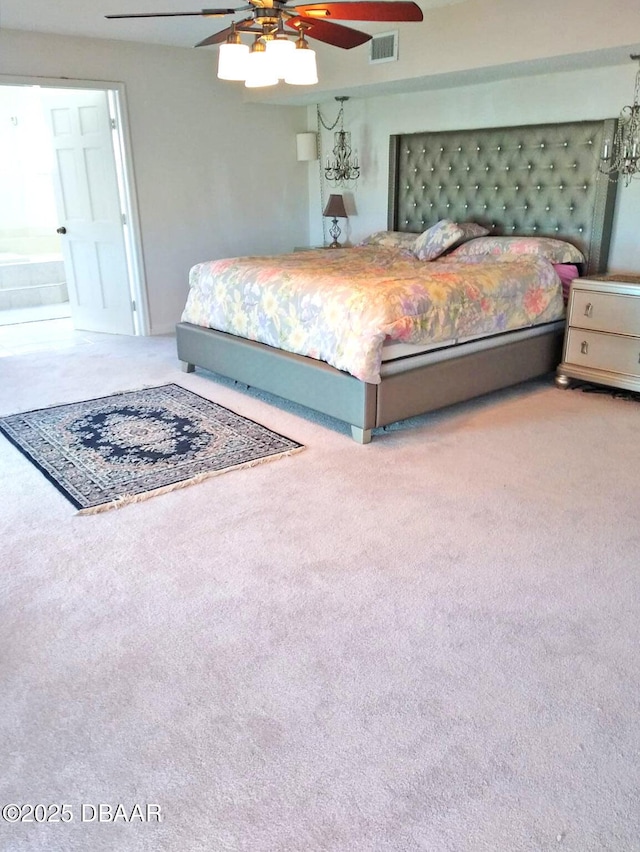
534, 180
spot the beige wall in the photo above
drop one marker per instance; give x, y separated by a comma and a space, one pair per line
214, 176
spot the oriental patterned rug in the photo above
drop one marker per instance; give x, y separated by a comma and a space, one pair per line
107, 452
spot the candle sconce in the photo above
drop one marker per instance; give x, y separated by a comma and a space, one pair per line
343, 167
621, 155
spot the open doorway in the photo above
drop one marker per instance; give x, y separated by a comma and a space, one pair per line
68, 226
32, 276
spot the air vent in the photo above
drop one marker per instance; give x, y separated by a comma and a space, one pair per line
384, 47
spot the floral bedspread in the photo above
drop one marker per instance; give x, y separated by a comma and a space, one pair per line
339, 305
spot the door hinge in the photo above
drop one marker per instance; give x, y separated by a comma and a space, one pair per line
133, 305
113, 124
124, 218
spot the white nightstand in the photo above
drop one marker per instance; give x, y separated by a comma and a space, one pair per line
602, 339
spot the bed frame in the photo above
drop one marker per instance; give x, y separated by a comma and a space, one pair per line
534, 180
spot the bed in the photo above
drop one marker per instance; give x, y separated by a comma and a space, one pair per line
533, 181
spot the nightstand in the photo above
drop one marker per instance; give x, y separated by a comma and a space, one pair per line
602, 338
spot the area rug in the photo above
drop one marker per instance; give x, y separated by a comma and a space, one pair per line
107, 452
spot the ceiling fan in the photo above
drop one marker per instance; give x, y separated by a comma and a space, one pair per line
315, 20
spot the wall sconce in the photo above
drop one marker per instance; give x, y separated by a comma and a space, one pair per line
335, 209
307, 147
621, 156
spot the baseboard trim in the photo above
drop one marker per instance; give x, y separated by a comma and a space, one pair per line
163, 329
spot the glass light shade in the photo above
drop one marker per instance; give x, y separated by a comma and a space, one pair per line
280, 51
260, 70
302, 70
232, 61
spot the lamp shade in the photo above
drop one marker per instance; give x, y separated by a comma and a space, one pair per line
335, 207
307, 147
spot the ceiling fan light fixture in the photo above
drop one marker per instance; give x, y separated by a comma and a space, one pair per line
302, 68
232, 59
260, 70
273, 56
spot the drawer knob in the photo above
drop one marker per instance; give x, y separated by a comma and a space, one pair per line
584, 347
588, 310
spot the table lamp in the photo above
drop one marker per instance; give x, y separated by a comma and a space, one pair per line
335, 210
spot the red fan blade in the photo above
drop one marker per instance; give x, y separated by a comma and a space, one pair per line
219, 37
205, 13
330, 33
364, 10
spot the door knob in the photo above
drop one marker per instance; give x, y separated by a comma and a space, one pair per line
61, 230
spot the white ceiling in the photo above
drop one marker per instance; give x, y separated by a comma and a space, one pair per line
86, 18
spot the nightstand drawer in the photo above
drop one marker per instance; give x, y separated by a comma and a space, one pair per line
598, 351
605, 311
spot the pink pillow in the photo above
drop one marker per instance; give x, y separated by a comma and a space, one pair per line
566, 273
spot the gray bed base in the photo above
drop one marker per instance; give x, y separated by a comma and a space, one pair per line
426, 383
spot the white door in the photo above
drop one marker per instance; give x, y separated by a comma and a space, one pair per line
89, 210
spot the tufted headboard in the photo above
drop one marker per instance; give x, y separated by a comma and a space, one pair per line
534, 180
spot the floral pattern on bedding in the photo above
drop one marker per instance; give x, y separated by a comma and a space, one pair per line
339, 305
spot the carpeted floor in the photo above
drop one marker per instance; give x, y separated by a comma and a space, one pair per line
429, 643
